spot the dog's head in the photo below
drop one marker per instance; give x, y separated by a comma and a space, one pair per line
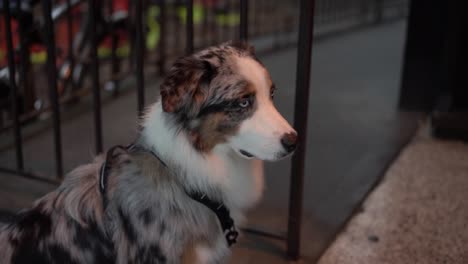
224, 94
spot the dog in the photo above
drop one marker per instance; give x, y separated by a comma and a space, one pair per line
178, 192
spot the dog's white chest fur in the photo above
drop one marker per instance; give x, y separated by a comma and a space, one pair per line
239, 180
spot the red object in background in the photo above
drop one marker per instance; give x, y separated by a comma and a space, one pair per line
3, 41
61, 33
117, 6
120, 5
61, 37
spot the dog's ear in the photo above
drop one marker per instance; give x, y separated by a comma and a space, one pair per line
186, 85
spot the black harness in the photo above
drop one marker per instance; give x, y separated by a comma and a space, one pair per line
221, 211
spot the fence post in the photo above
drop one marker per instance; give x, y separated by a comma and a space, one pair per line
244, 20
139, 53
25, 62
52, 79
93, 10
13, 86
189, 27
301, 108
71, 56
115, 60
162, 38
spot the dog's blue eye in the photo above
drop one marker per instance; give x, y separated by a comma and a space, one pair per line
244, 103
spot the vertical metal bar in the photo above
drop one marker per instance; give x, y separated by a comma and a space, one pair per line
269, 11
14, 88
276, 27
162, 38
52, 79
266, 17
131, 34
212, 29
93, 9
244, 20
219, 9
115, 62
176, 24
254, 8
205, 28
261, 17
378, 11
140, 47
71, 57
25, 81
301, 108
189, 27
226, 28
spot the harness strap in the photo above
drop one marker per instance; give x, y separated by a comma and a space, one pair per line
220, 210
104, 171
223, 214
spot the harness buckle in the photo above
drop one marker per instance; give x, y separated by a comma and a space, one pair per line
231, 235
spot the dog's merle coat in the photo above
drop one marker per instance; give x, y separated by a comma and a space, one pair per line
145, 215
139, 224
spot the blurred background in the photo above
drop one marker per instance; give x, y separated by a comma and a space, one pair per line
76, 74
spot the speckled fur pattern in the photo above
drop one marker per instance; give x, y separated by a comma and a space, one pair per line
143, 222
213, 104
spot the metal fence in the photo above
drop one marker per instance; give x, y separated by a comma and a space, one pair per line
143, 36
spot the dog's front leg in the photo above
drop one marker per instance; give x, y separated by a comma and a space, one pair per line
206, 253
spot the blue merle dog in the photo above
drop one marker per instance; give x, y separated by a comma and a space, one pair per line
173, 195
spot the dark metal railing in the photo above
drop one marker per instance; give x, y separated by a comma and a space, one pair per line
301, 110
93, 8
328, 12
52, 84
189, 28
14, 89
243, 28
140, 51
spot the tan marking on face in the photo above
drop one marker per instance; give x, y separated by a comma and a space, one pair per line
208, 134
216, 128
213, 129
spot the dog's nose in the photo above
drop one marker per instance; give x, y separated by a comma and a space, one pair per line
289, 141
